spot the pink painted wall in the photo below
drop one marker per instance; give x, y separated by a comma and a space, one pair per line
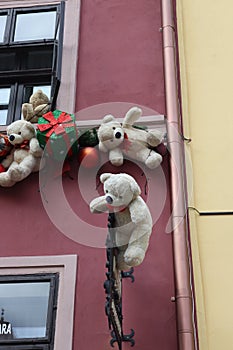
120, 53
120, 59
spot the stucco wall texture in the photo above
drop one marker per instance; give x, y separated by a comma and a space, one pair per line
204, 33
120, 60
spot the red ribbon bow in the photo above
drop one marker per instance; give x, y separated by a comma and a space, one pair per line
126, 143
119, 209
56, 125
23, 145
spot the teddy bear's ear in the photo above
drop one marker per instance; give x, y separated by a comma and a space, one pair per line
135, 188
108, 118
131, 116
29, 127
104, 177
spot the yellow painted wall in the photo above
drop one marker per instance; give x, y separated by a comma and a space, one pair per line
205, 32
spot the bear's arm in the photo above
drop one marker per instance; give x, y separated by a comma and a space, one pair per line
98, 205
8, 160
116, 156
35, 148
102, 148
139, 211
41, 109
27, 111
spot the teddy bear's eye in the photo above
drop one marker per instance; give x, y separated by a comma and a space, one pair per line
19, 133
113, 127
106, 191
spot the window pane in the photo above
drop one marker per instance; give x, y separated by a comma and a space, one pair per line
3, 116
5, 96
8, 61
25, 306
37, 59
41, 24
2, 27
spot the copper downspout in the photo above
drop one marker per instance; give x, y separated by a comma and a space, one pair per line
183, 287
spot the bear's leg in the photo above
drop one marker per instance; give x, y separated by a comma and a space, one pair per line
135, 253
149, 157
153, 160
134, 256
121, 264
154, 138
23, 169
5, 180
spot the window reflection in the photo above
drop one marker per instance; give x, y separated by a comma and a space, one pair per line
35, 26
25, 306
3, 116
4, 102
4, 96
3, 19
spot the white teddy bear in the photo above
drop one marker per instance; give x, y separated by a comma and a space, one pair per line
24, 157
38, 105
133, 222
125, 139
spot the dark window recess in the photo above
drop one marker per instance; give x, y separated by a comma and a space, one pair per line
28, 310
30, 57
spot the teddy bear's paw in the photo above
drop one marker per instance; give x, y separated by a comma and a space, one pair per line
17, 173
117, 161
5, 180
134, 256
121, 264
154, 160
152, 140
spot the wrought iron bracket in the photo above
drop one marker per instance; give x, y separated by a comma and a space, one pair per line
125, 338
128, 274
113, 290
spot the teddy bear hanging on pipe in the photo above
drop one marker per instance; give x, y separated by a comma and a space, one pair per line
125, 140
133, 222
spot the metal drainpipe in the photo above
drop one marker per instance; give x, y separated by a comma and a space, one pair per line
183, 288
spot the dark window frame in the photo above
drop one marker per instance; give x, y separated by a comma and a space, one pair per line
40, 343
41, 76
10, 106
11, 22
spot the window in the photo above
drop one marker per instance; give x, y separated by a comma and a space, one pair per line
37, 302
28, 310
31, 58
4, 104
45, 28
3, 19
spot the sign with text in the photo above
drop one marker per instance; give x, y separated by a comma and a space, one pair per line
5, 330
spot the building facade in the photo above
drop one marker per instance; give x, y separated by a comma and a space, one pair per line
94, 58
204, 31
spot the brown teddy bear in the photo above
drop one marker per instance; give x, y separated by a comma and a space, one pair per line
38, 105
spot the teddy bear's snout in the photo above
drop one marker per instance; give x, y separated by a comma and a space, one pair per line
11, 137
109, 200
118, 135
15, 139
